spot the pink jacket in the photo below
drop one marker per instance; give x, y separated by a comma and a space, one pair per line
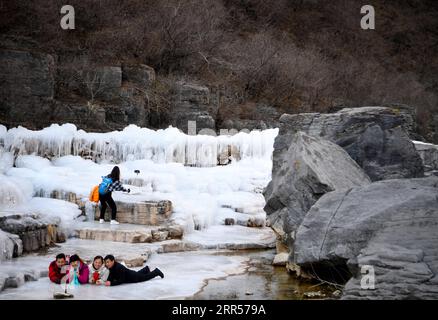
83, 273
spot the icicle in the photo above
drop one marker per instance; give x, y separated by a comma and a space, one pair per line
134, 143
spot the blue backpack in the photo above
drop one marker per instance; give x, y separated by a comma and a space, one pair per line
103, 187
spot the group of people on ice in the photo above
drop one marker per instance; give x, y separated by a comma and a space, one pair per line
102, 271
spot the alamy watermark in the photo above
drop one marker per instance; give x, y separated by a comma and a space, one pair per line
367, 22
68, 20
368, 279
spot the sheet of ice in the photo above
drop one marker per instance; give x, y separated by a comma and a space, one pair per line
185, 274
133, 143
236, 235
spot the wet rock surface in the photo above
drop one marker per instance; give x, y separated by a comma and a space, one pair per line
391, 225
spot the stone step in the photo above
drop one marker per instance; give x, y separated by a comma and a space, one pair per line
130, 208
127, 232
150, 213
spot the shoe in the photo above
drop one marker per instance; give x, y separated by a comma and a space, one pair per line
160, 273
114, 222
101, 221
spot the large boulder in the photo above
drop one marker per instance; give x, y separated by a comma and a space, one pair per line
309, 168
390, 225
374, 137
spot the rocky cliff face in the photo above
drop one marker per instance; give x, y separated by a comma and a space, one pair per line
39, 89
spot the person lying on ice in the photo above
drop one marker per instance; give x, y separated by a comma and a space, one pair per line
57, 268
78, 271
119, 274
98, 272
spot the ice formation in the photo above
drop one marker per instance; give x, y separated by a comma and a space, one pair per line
61, 161
135, 143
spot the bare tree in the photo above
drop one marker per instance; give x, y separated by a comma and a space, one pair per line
91, 78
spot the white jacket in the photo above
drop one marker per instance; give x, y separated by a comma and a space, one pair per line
103, 273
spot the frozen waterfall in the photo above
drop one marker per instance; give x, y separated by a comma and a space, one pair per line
135, 143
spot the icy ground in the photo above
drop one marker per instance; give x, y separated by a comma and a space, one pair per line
185, 274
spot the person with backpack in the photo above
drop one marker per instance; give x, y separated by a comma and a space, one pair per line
109, 184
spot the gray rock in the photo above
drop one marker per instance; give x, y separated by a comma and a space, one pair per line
246, 125
192, 102
281, 259
409, 116
307, 169
256, 222
429, 155
248, 117
373, 136
85, 115
33, 232
26, 74
390, 225
111, 82
140, 74
15, 281
11, 246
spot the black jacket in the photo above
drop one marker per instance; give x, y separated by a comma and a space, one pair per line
119, 274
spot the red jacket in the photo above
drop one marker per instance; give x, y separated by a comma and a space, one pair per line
55, 273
